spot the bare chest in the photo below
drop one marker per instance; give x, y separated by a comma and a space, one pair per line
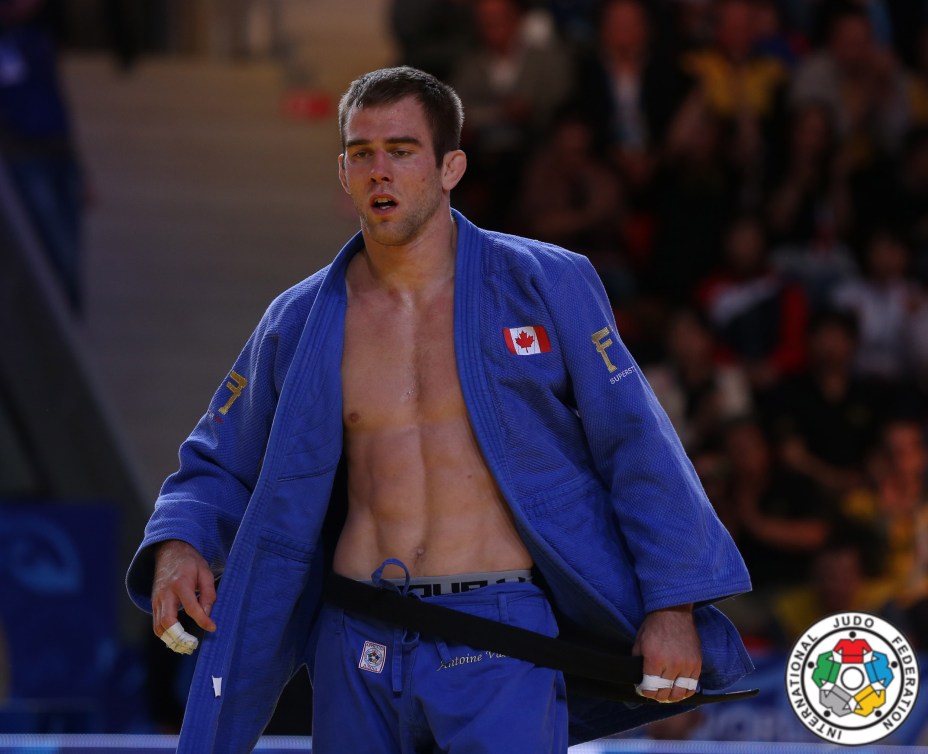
398, 365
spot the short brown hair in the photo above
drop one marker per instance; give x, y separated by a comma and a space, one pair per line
442, 106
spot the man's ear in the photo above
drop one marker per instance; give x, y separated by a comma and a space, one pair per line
342, 178
452, 168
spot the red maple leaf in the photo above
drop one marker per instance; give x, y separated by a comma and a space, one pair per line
525, 340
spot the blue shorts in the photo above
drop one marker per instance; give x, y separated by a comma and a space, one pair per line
379, 688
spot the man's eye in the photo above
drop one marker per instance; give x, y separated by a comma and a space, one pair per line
401, 152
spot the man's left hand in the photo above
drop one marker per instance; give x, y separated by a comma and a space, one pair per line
669, 644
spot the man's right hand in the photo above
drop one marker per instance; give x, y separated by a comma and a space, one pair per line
182, 578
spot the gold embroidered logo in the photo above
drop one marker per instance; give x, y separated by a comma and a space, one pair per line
602, 341
236, 384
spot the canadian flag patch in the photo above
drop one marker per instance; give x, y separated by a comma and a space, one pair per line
524, 341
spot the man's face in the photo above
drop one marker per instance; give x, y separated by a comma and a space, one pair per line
388, 168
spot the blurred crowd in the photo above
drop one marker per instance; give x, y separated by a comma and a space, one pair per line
750, 178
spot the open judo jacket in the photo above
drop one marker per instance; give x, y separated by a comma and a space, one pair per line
600, 488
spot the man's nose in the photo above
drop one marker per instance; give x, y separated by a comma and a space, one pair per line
380, 167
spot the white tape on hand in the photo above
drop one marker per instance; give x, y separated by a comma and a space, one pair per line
178, 640
653, 683
689, 684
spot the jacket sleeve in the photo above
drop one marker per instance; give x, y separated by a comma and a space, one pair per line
682, 553
204, 500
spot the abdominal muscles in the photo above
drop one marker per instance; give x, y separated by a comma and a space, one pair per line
422, 493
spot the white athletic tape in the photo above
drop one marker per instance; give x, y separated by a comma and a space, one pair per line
653, 683
178, 640
656, 682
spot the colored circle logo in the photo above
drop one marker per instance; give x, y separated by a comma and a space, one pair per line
852, 678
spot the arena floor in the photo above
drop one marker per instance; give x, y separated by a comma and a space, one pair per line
127, 744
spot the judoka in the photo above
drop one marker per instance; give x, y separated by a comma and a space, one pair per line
451, 413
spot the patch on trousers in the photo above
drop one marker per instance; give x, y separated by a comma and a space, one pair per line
373, 657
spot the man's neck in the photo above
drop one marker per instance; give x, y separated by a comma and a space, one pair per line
413, 268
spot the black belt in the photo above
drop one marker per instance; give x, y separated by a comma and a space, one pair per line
587, 671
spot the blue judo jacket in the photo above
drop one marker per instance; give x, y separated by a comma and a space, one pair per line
600, 488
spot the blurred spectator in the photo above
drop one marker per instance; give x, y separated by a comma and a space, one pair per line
629, 91
758, 317
808, 210
772, 38
512, 85
778, 519
630, 94
36, 140
741, 85
906, 206
432, 34
895, 505
782, 518
698, 395
809, 200
570, 198
695, 195
918, 78
738, 80
824, 420
694, 24
860, 82
877, 12
882, 303
838, 582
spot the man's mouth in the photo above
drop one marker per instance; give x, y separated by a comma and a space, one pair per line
383, 203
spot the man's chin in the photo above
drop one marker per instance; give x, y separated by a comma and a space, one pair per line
388, 232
